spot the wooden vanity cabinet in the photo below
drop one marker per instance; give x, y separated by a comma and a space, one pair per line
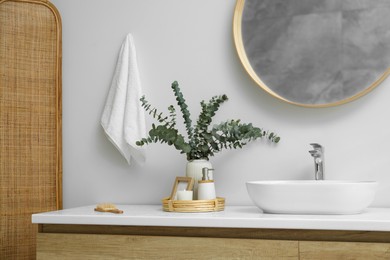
137, 242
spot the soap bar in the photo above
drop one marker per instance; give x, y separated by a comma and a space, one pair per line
184, 195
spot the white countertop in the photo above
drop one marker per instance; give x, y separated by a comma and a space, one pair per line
372, 219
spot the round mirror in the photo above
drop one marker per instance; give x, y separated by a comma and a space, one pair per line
314, 53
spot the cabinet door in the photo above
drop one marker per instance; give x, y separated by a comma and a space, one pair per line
343, 250
30, 121
85, 246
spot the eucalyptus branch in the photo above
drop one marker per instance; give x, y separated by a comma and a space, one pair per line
181, 102
202, 142
172, 116
208, 112
232, 134
202, 137
163, 134
159, 116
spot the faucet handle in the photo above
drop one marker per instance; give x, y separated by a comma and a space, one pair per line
317, 146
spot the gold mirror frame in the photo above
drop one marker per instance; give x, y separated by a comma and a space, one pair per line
237, 34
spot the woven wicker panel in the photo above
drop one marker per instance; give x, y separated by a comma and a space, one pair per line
30, 121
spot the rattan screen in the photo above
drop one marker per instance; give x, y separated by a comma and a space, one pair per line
30, 121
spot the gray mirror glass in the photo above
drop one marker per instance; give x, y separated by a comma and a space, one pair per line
314, 52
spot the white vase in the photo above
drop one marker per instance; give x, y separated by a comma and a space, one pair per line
194, 170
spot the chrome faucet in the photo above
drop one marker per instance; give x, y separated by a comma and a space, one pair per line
318, 155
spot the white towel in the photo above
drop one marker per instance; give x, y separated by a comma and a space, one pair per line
123, 118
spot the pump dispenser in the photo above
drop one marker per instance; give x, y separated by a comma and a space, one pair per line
206, 187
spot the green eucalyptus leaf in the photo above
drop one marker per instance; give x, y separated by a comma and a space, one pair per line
203, 141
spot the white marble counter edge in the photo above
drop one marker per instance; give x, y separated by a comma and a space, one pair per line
372, 219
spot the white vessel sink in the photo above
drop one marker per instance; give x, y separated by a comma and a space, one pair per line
312, 197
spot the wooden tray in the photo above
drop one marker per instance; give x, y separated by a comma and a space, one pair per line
217, 204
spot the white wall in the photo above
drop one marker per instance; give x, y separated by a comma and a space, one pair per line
191, 41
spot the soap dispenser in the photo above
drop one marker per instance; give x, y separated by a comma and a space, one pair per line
206, 187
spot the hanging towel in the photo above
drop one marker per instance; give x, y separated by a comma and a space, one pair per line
123, 118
